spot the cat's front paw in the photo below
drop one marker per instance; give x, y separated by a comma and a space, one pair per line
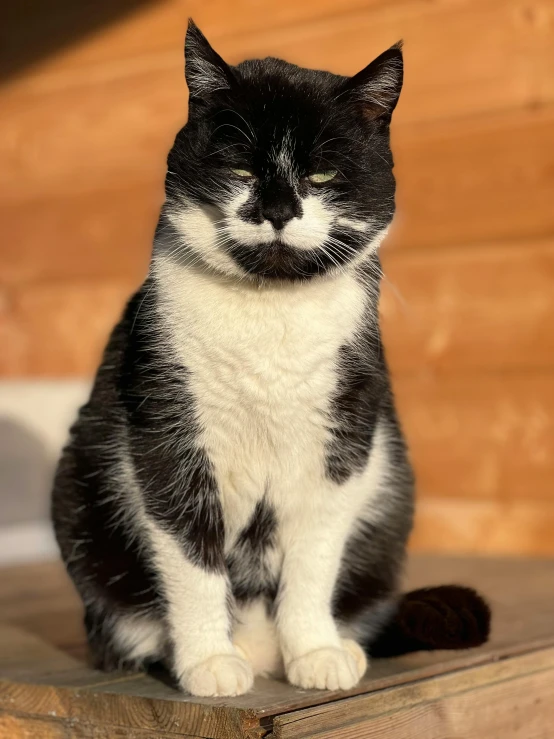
330, 668
220, 675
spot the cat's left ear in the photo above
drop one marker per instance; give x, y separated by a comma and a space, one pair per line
377, 87
205, 71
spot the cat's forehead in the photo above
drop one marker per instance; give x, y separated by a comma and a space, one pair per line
286, 109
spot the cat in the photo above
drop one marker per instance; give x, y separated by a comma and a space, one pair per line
235, 497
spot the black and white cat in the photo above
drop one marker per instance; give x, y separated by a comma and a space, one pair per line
235, 497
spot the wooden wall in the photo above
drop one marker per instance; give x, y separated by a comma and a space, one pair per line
468, 304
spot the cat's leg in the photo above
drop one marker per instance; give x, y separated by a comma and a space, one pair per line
314, 654
205, 662
124, 641
178, 510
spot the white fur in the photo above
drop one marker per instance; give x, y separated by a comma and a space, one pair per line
355, 224
199, 226
250, 234
310, 231
140, 637
205, 660
203, 77
284, 157
255, 637
207, 229
262, 365
382, 89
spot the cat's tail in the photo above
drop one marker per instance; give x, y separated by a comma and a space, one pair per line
444, 617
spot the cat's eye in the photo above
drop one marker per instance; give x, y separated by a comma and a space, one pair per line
319, 177
244, 173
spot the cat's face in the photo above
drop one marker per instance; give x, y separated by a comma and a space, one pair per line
281, 172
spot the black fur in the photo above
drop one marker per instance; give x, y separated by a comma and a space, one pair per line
444, 617
247, 562
135, 443
255, 106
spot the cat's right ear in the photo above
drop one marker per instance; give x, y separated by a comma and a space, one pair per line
205, 71
377, 87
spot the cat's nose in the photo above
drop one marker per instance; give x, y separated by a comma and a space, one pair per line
279, 214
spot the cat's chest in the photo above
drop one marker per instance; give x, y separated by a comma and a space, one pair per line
263, 368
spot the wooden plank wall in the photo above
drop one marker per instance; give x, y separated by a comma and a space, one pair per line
468, 305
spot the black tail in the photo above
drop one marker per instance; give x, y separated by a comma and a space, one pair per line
445, 617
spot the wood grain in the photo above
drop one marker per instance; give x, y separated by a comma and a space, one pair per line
510, 700
453, 71
502, 188
26, 727
101, 235
43, 693
480, 309
478, 180
59, 329
461, 525
481, 436
523, 618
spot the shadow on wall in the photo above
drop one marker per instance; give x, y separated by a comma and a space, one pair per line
33, 29
26, 471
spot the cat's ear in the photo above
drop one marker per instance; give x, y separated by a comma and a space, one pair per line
377, 87
205, 71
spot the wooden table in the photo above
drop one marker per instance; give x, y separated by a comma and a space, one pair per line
504, 690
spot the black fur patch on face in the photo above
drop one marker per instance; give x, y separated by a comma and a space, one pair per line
280, 261
248, 569
279, 124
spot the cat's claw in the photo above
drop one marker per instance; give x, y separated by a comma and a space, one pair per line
220, 675
330, 668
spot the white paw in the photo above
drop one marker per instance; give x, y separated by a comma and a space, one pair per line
358, 653
330, 668
222, 674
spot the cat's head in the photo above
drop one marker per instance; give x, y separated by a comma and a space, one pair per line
281, 172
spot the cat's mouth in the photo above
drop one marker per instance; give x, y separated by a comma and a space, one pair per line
277, 260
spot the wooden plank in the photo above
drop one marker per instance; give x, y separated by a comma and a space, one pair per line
27, 727
24, 727
485, 308
520, 593
59, 329
22, 652
446, 194
113, 134
105, 234
160, 28
478, 180
86, 707
462, 525
481, 436
119, 129
488, 701
504, 65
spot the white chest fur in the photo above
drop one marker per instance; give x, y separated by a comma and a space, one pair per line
263, 370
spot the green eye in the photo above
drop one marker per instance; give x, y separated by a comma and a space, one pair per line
242, 173
318, 177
